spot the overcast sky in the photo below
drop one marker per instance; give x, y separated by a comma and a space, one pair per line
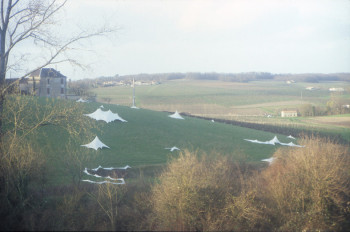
155, 36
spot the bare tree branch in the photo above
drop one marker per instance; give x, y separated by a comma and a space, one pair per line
33, 20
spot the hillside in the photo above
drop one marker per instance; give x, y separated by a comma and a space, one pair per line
141, 141
46, 165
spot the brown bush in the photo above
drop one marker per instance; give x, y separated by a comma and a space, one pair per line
308, 188
304, 189
20, 166
194, 192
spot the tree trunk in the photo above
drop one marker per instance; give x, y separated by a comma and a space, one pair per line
2, 101
2, 75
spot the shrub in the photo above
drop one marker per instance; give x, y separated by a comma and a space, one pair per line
308, 188
193, 192
20, 166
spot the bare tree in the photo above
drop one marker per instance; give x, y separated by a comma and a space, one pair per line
23, 154
32, 21
108, 196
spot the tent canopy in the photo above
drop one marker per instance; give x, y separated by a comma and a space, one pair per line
107, 116
176, 115
95, 144
273, 142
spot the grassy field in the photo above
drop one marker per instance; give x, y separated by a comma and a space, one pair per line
141, 141
248, 102
221, 98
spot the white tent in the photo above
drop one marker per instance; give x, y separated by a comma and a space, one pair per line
107, 116
111, 168
106, 181
291, 144
176, 115
95, 115
110, 116
82, 100
95, 144
270, 160
273, 142
260, 142
98, 176
113, 180
291, 137
172, 148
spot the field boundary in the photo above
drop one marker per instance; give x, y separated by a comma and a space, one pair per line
284, 130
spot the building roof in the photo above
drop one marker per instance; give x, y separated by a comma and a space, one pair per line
47, 72
12, 80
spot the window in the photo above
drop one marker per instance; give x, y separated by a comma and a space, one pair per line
48, 81
62, 81
48, 91
62, 90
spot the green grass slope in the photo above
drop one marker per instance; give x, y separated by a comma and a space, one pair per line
142, 140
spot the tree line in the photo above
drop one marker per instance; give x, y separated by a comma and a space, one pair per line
233, 77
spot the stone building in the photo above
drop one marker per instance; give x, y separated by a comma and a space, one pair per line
45, 82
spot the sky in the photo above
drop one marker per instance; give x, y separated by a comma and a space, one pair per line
224, 36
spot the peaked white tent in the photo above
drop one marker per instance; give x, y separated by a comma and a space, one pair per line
291, 137
273, 142
107, 116
95, 144
110, 116
176, 115
82, 100
172, 148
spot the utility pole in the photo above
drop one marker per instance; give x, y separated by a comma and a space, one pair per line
133, 94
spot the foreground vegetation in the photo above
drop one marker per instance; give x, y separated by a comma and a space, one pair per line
304, 189
41, 174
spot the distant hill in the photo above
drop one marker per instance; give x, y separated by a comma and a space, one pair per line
233, 77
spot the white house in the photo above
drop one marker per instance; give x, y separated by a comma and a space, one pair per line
336, 89
289, 113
